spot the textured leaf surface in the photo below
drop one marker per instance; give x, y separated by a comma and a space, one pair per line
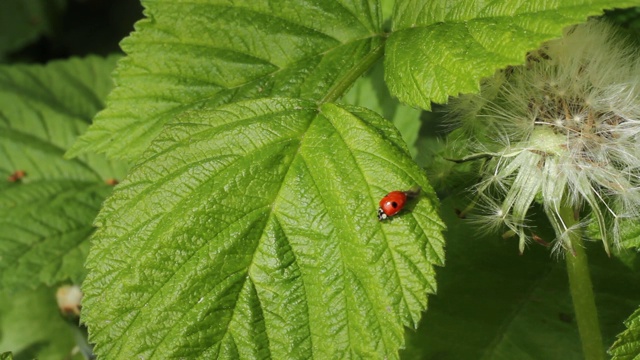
188, 54
627, 347
31, 326
525, 311
251, 232
22, 21
443, 48
630, 235
46, 217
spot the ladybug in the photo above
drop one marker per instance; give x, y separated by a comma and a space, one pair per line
394, 201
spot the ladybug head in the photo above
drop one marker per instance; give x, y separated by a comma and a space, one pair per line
381, 214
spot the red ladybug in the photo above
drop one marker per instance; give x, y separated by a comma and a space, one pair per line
394, 201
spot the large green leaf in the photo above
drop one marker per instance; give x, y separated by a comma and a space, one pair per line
31, 326
187, 55
511, 306
46, 217
441, 48
627, 347
251, 232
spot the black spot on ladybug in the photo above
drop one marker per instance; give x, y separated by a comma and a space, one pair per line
394, 204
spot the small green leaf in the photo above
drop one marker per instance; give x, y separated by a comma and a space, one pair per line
186, 55
630, 235
46, 216
627, 347
6, 356
441, 49
251, 232
22, 21
32, 328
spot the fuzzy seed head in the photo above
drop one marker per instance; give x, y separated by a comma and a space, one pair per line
564, 131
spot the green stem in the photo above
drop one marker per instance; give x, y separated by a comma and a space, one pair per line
584, 303
344, 83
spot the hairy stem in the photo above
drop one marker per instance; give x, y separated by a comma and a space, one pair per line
584, 303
